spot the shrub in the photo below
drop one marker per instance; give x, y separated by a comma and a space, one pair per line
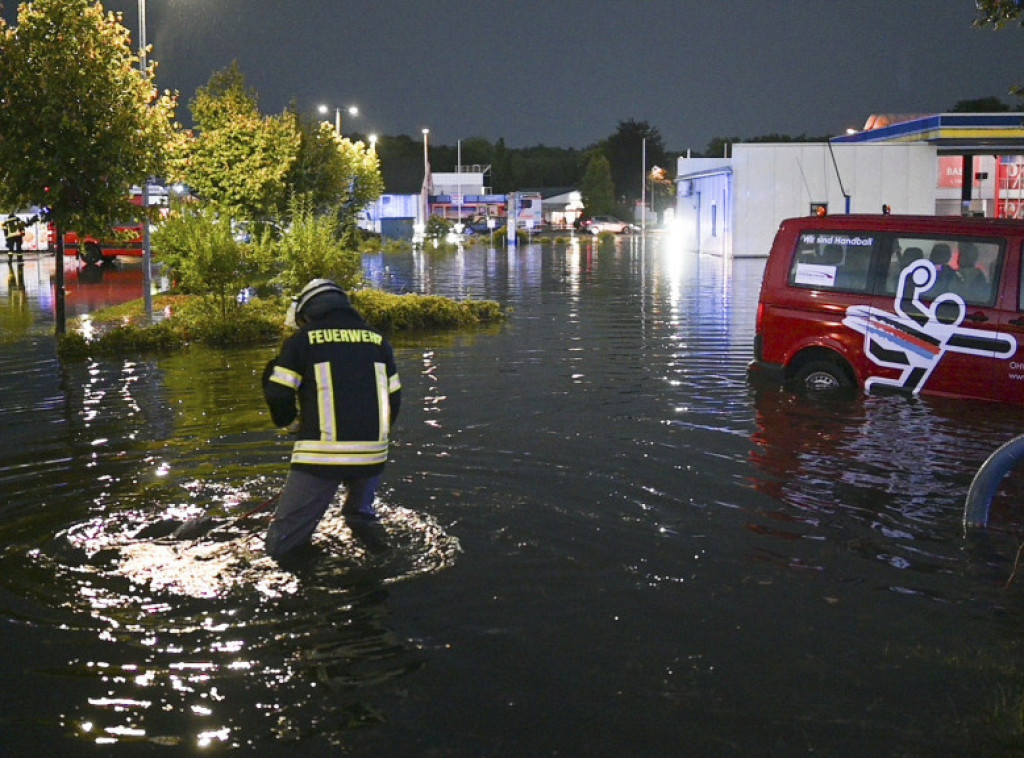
310, 249
198, 319
121, 340
202, 253
391, 313
437, 228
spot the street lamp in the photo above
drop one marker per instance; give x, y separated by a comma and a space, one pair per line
373, 142
643, 190
352, 111
420, 228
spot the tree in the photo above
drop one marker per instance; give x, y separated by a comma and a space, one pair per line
721, 147
998, 13
501, 168
624, 150
79, 123
597, 188
401, 163
309, 250
335, 173
362, 182
239, 160
981, 105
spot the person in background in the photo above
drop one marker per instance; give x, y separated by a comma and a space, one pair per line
335, 384
14, 233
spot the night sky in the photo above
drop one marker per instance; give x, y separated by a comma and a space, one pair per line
564, 73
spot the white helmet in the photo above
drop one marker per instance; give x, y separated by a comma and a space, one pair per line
313, 288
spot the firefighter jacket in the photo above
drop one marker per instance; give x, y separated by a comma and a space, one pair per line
343, 375
13, 227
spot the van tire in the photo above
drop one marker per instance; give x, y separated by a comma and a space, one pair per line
91, 254
821, 376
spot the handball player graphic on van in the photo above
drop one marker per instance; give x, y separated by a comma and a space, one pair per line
915, 304
916, 336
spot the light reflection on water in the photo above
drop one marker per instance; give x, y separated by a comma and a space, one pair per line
593, 516
209, 616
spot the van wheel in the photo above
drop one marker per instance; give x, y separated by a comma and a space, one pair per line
821, 376
92, 254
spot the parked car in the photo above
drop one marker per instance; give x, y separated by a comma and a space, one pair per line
911, 304
599, 224
479, 224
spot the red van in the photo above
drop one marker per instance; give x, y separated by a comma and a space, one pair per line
915, 304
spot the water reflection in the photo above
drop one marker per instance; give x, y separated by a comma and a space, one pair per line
883, 477
590, 498
15, 315
206, 616
103, 456
192, 622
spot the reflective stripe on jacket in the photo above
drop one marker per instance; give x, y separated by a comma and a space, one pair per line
343, 376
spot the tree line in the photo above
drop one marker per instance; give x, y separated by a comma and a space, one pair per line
80, 123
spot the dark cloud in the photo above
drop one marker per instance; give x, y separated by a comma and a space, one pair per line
565, 72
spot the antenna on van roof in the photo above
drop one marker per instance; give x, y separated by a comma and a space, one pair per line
838, 175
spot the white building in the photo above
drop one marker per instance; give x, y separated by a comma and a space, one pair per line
732, 206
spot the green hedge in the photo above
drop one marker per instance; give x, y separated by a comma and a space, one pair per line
394, 313
195, 319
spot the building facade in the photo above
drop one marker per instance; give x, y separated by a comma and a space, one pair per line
732, 206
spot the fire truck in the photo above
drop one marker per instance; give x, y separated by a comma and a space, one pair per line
124, 239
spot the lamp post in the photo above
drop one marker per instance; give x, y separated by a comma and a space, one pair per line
425, 190
643, 190
373, 142
147, 258
352, 111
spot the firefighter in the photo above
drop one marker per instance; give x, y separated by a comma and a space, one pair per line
335, 384
14, 233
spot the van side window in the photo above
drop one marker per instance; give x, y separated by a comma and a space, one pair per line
1020, 291
833, 260
968, 267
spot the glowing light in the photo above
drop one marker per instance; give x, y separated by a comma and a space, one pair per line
125, 731
205, 739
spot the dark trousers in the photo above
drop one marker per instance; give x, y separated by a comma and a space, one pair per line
304, 501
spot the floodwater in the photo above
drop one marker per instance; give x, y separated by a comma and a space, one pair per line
601, 540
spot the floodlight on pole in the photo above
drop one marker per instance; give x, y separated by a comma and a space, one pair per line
353, 110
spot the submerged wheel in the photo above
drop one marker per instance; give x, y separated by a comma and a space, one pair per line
821, 376
92, 254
